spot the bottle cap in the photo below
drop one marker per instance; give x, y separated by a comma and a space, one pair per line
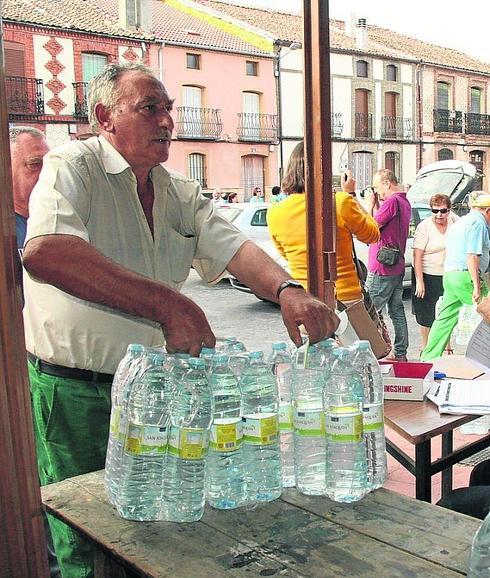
279, 345
439, 375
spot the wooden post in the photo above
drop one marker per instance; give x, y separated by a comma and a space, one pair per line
320, 207
22, 546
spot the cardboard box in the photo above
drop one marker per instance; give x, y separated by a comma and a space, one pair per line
407, 380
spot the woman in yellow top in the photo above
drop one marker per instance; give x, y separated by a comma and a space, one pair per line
287, 226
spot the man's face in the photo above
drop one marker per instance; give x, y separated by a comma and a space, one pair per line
27, 161
140, 125
380, 187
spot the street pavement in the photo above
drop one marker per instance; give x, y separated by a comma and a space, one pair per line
259, 324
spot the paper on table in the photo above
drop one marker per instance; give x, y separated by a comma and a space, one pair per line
461, 396
478, 349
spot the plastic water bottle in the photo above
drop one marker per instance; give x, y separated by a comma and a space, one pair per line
143, 462
309, 422
479, 563
281, 364
122, 382
346, 471
207, 353
468, 320
478, 426
261, 452
192, 410
225, 477
367, 366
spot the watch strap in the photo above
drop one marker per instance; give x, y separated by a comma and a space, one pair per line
288, 283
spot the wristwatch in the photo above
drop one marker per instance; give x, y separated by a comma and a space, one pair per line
289, 283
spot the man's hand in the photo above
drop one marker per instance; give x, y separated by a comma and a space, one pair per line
476, 295
420, 289
300, 308
348, 182
185, 327
371, 200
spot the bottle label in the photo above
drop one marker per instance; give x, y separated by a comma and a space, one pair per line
146, 439
285, 417
309, 423
226, 435
260, 429
115, 418
372, 417
344, 424
188, 444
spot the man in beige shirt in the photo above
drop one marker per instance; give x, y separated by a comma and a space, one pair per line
111, 238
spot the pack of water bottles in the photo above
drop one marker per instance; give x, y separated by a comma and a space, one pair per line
232, 428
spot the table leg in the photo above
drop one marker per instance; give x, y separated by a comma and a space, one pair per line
447, 474
423, 478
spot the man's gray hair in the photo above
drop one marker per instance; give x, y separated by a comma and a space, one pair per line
387, 175
104, 88
16, 131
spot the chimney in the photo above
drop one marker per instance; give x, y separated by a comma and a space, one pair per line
350, 27
135, 14
361, 34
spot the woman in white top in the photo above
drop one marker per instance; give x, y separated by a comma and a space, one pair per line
429, 251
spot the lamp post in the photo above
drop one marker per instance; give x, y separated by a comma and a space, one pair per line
278, 46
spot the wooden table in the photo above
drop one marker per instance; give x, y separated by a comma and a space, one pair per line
419, 422
383, 535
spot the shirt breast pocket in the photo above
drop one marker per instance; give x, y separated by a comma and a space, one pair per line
181, 254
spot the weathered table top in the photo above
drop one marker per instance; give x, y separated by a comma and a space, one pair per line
384, 535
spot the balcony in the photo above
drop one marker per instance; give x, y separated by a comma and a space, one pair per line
256, 127
396, 127
477, 123
198, 123
337, 122
80, 93
25, 96
448, 120
363, 125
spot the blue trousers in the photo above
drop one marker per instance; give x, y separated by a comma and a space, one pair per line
388, 290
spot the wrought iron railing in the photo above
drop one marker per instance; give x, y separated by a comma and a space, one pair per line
337, 124
25, 96
80, 90
477, 123
363, 125
448, 120
257, 127
396, 127
199, 123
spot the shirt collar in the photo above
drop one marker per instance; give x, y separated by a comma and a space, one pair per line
112, 160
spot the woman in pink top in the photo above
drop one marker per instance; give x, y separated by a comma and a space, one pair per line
429, 251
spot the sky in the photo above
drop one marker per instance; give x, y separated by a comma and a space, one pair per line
441, 22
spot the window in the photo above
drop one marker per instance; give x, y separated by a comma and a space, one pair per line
260, 218
251, 115
477, 158
363, 168
363, 119
445, 155
252, 68
391, 72
392, 162
443, 96
197, 168
92, 64
475, 100
362, 68
193, 61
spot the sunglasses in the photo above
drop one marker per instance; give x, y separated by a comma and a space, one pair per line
443, 211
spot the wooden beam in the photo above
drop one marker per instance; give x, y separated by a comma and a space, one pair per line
23, 546
318, 151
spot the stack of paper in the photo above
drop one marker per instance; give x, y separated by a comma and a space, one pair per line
461, 396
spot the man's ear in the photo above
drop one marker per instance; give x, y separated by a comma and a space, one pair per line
103, 115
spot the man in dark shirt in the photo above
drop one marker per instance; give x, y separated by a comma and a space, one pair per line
391, 209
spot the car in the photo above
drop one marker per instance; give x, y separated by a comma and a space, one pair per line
453, 178
252, 220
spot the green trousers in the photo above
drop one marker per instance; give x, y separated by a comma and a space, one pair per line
458, 291
71, 425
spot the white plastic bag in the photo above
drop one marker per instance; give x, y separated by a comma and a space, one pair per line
468, 320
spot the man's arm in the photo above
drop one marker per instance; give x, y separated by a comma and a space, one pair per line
264, 276
74, 266
473, 262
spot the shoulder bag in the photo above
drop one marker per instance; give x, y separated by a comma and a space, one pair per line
388, 254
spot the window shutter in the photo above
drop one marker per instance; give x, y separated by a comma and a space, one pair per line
14, 59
